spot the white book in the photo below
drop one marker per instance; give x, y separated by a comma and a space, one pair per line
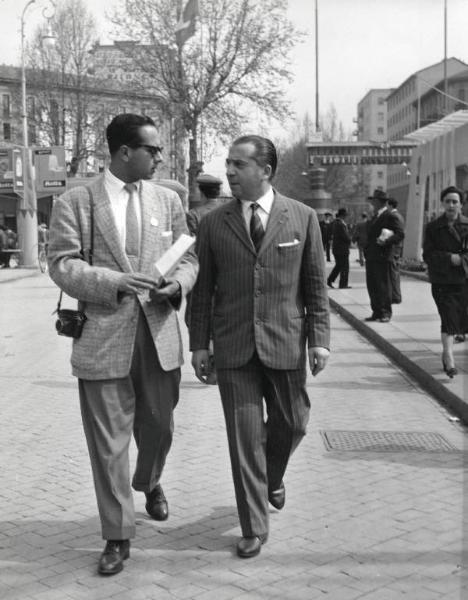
167, 263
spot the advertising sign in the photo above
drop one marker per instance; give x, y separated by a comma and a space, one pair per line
6, 171
51, 169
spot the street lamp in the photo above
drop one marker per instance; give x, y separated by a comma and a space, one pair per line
27, 215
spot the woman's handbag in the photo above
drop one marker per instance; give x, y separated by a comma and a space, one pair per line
70, 322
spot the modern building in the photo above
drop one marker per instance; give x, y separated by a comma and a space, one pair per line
372, 127
405, 114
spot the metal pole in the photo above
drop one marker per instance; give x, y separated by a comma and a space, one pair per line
445, 60
317, 124
27, 215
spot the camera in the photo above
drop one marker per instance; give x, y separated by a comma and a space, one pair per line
70, 322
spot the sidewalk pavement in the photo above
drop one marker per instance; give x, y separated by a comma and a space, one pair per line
361, 523
411, 339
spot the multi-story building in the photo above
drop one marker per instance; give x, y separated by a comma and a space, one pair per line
61, 113
405, 114
372, 127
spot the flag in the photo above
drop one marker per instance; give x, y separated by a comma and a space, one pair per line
185, 27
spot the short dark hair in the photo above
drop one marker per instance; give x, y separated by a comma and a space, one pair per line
124, 130
451, 189
265, 151
392, 202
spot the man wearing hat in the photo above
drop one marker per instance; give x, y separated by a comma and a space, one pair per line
210, 188
385, 231
341, 241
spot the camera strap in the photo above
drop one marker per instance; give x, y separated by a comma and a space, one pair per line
87, 256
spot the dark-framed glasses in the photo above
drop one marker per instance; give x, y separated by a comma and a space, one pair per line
153, 150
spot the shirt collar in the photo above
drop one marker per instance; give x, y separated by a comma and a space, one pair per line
264, 201
115, 185
381, 210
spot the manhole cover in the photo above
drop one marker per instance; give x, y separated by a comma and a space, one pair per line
385, 441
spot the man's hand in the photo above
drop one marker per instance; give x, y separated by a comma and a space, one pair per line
456, 260
134, 283
318, 358
201, 364
168, 289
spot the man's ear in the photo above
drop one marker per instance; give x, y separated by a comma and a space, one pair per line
124, 153
267, 170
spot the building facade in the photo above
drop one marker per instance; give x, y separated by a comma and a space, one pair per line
372, 127
59, 112
405, 114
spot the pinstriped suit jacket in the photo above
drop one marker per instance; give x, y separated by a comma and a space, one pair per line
273, 303
105, 348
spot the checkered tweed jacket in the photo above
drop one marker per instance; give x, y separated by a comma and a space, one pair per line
105, 348
275, 303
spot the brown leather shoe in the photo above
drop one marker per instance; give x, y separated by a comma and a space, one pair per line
156, 504
115, 552
248, 547
277, 498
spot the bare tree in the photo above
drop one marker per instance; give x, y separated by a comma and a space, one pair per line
65, 110
345, 183
238, 59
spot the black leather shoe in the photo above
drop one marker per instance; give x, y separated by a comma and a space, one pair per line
371, 318
156, 504
115, 552
384, 320
330, 284
248, 547
345, 287
277, 498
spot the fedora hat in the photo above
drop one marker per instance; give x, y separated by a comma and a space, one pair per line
378, 195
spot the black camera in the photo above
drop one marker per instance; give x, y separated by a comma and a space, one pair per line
70, 322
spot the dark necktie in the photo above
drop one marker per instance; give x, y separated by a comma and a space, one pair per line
256, 228
132, 230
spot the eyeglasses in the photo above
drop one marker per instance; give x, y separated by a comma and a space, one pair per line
153, 150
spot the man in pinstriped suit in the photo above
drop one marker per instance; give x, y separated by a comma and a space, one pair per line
261, 261
129, 355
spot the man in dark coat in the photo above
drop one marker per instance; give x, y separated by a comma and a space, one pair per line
385, 231
341, 241
397, 254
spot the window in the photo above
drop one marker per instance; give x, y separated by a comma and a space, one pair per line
380, 116
381, 101
31, 107
380, 130
6, 131
6, 106
380, 174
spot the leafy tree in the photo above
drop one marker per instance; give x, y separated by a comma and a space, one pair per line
237, 60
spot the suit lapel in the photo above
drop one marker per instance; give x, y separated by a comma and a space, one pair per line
278, 217
104, 221
235, 221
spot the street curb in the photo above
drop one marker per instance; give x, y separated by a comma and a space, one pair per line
22, 275
425, 380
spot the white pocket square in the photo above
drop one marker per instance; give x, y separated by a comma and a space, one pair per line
289, 244
166, 234
154, 222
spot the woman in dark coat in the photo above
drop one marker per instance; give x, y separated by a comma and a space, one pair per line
445, 251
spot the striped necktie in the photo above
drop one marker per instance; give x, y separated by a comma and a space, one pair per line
256, 228
132, 230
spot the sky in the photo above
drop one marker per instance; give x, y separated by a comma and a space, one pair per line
362, 44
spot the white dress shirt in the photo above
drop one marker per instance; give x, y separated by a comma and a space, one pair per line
263, 210
118, 197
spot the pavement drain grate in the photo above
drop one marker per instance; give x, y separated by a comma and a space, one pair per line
385, 441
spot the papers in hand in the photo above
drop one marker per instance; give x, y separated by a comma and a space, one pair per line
165, 265
385, 234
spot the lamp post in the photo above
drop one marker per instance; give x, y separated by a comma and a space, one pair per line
27, 211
